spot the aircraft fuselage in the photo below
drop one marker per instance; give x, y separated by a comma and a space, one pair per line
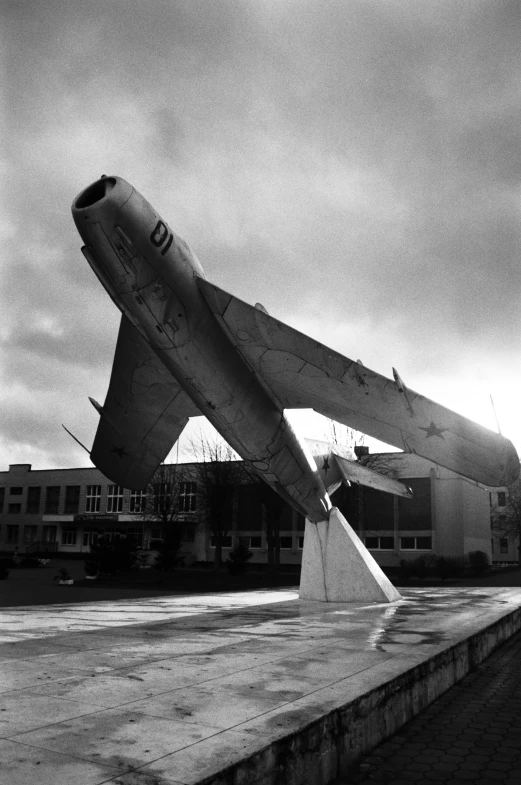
151, 275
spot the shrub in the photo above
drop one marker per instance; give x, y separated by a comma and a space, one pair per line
29, 561
450, 566
91, 567
168, 558
112, 557
478, 562
238, 558
405, 570
4, 572
62, 575
419, 567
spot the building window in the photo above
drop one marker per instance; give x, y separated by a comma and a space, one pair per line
415, 543
501, 499
12, 534
93, 498
14, 509
49, 533
300, 543
33, 500
2, 497
114, 498
187, 497
255, 542
30, 534
226, 542
90, 537
503, 545
162, 496
110, 535
17, 490
72, 498
136, 535
188, 532
380, 543
286, 543
69, 537
52, 499
415, 513
138, 501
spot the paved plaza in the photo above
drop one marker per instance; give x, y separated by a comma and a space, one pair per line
225, 689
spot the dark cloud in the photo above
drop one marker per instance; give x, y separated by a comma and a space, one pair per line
354, 166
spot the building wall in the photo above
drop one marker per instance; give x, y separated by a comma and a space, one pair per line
32, 527
504, 533
448, 515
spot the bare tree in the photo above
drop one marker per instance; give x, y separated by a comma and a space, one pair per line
344, 439
383, 463
274, 507
161, 507
219, 473
510, 527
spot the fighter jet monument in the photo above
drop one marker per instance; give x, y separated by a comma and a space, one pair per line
186, 347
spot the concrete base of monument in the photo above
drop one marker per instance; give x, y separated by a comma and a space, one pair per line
337, 567
218, 689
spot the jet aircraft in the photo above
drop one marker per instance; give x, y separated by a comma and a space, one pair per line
186, 347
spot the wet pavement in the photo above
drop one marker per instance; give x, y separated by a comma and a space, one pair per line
472, 733
181, 690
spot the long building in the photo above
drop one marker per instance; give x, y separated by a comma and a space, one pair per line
67, 510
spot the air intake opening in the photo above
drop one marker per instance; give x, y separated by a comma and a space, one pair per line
95, 192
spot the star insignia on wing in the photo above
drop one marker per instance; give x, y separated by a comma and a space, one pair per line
119, 451
433, 430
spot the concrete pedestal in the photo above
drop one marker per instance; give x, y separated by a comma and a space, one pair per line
337, 567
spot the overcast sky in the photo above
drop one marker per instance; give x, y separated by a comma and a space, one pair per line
354, 166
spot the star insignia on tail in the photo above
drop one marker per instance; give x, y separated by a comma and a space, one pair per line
433, 430
119, 451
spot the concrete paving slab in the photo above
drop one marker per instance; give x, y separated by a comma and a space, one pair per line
23, 764
24, 710
233, 688
121, 739
22, 673
199, 705
197, 764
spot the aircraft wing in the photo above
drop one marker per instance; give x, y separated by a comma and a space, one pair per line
300, 372
144, 413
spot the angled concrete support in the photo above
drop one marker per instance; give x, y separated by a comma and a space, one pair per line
337, 567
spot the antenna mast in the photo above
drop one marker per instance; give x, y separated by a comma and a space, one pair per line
495, 414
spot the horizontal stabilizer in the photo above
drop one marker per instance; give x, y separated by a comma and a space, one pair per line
335, 468
352, 471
